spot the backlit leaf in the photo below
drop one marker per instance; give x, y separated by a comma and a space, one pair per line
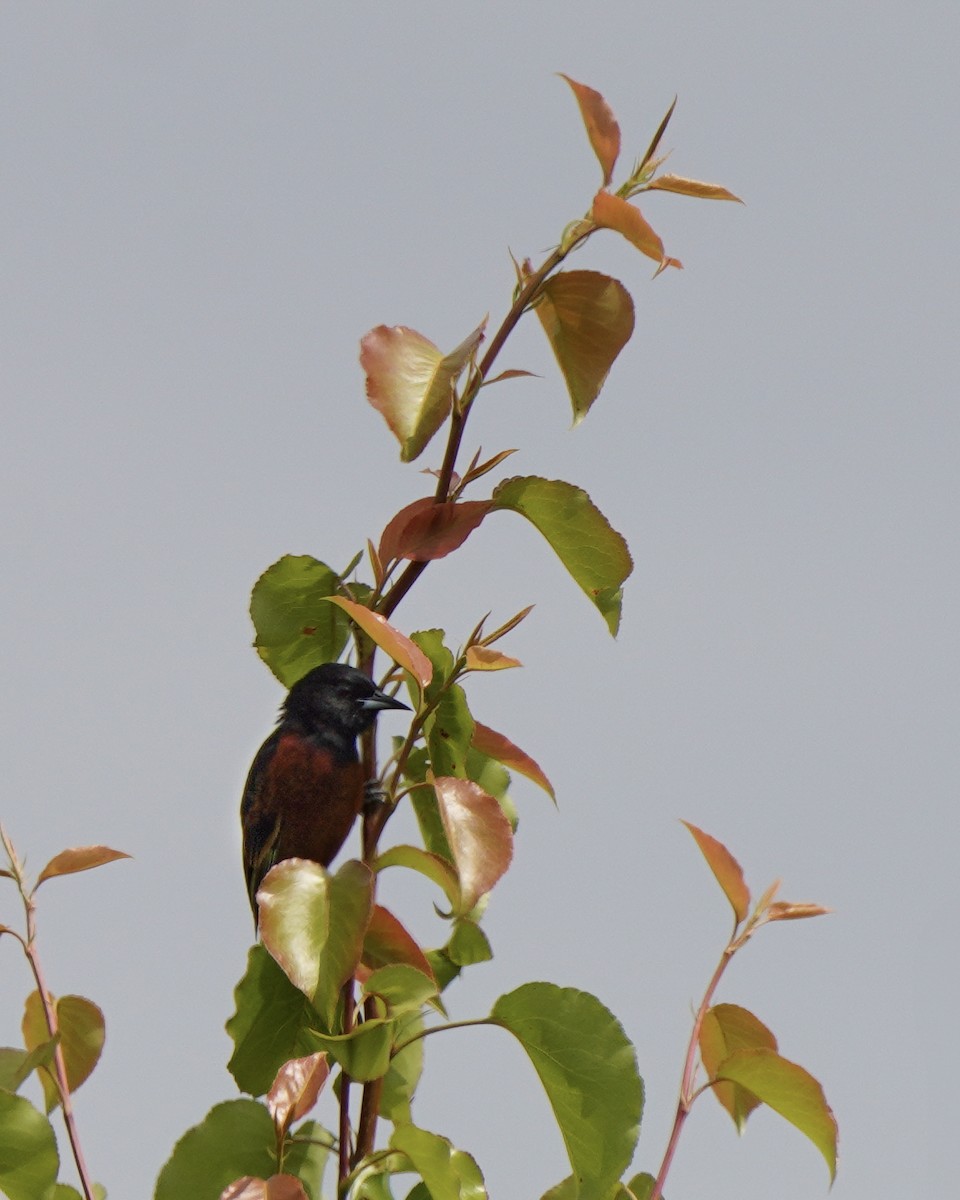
691, 187
789, 1090
793, 910
411, 383
479, 835
397, 645
601, 125
29, 1162
613, 212
387, 941
726, 869
592, 551
485, 658
726, 1028
81, 858
588, 1068
296, 629
588, 319
498, 746
277, 1187
296, 1088
424, 530
81, 1028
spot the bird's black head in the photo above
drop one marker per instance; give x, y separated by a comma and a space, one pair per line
336, 696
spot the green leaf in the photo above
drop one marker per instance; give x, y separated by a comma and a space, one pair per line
271, 1025
588, 1068
406, 1067
430, 865
594, 553
726, 1028
447, 1173
588, 319
82, 1035
28, 1150
789, 1090
468, 943
16, 1065
296, 629
364, 1053
401, 987
236, 1138
641, 1186
308, 1155
449, 732
431, 643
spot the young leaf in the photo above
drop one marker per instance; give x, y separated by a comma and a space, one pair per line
588, 1068
296, 629
601, 125
588, 319
277, 1187
424, 530
387, 941
691, 187
29, 1162
485, 658
789, 1090
411, 383
613, 212
726, 1028
726, 869
296, 1088
791, 910
498, 746
272, 1024
81, 1027
655, 140
235, 1139
432, 866
81, 858
400, 648
364, 1053
401, 987
447, 1173
594, 553
479, 836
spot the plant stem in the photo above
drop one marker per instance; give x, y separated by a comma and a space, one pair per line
687, 1092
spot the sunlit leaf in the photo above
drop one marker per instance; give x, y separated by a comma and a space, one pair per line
499, 746
296, 629
29, 1162
411, 383
277, 1187
601, 125
296, 1088
81, 1028
424, 530
272, 1024
398, 646
485, 658
691, 187
81, 858
591, 550
447, 1173
789, 1090
588, 1068
613, 212
479, 836
588, 319
726, 1028
726, 869
792, 910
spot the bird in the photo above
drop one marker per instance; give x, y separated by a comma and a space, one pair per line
305, 787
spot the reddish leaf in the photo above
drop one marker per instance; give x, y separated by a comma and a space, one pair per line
588, 319
498, 746
296, 1088
787, 910
475, 472
399, 647
411, 383
691, 187
727, 870
81, 858
513, 373
479, 836
655, 140
726, 1028
425, 530
613, 212
485, 658
505, 628
601, 125
387, 941
277, 1187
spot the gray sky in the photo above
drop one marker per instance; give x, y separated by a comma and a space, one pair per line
204, 207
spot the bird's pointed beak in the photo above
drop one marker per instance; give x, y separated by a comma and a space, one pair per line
381, 700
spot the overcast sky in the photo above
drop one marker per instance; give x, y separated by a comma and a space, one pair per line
203, 208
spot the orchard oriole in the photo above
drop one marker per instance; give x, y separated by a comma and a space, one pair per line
305, 788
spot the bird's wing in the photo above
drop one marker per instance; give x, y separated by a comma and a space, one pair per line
260, 818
